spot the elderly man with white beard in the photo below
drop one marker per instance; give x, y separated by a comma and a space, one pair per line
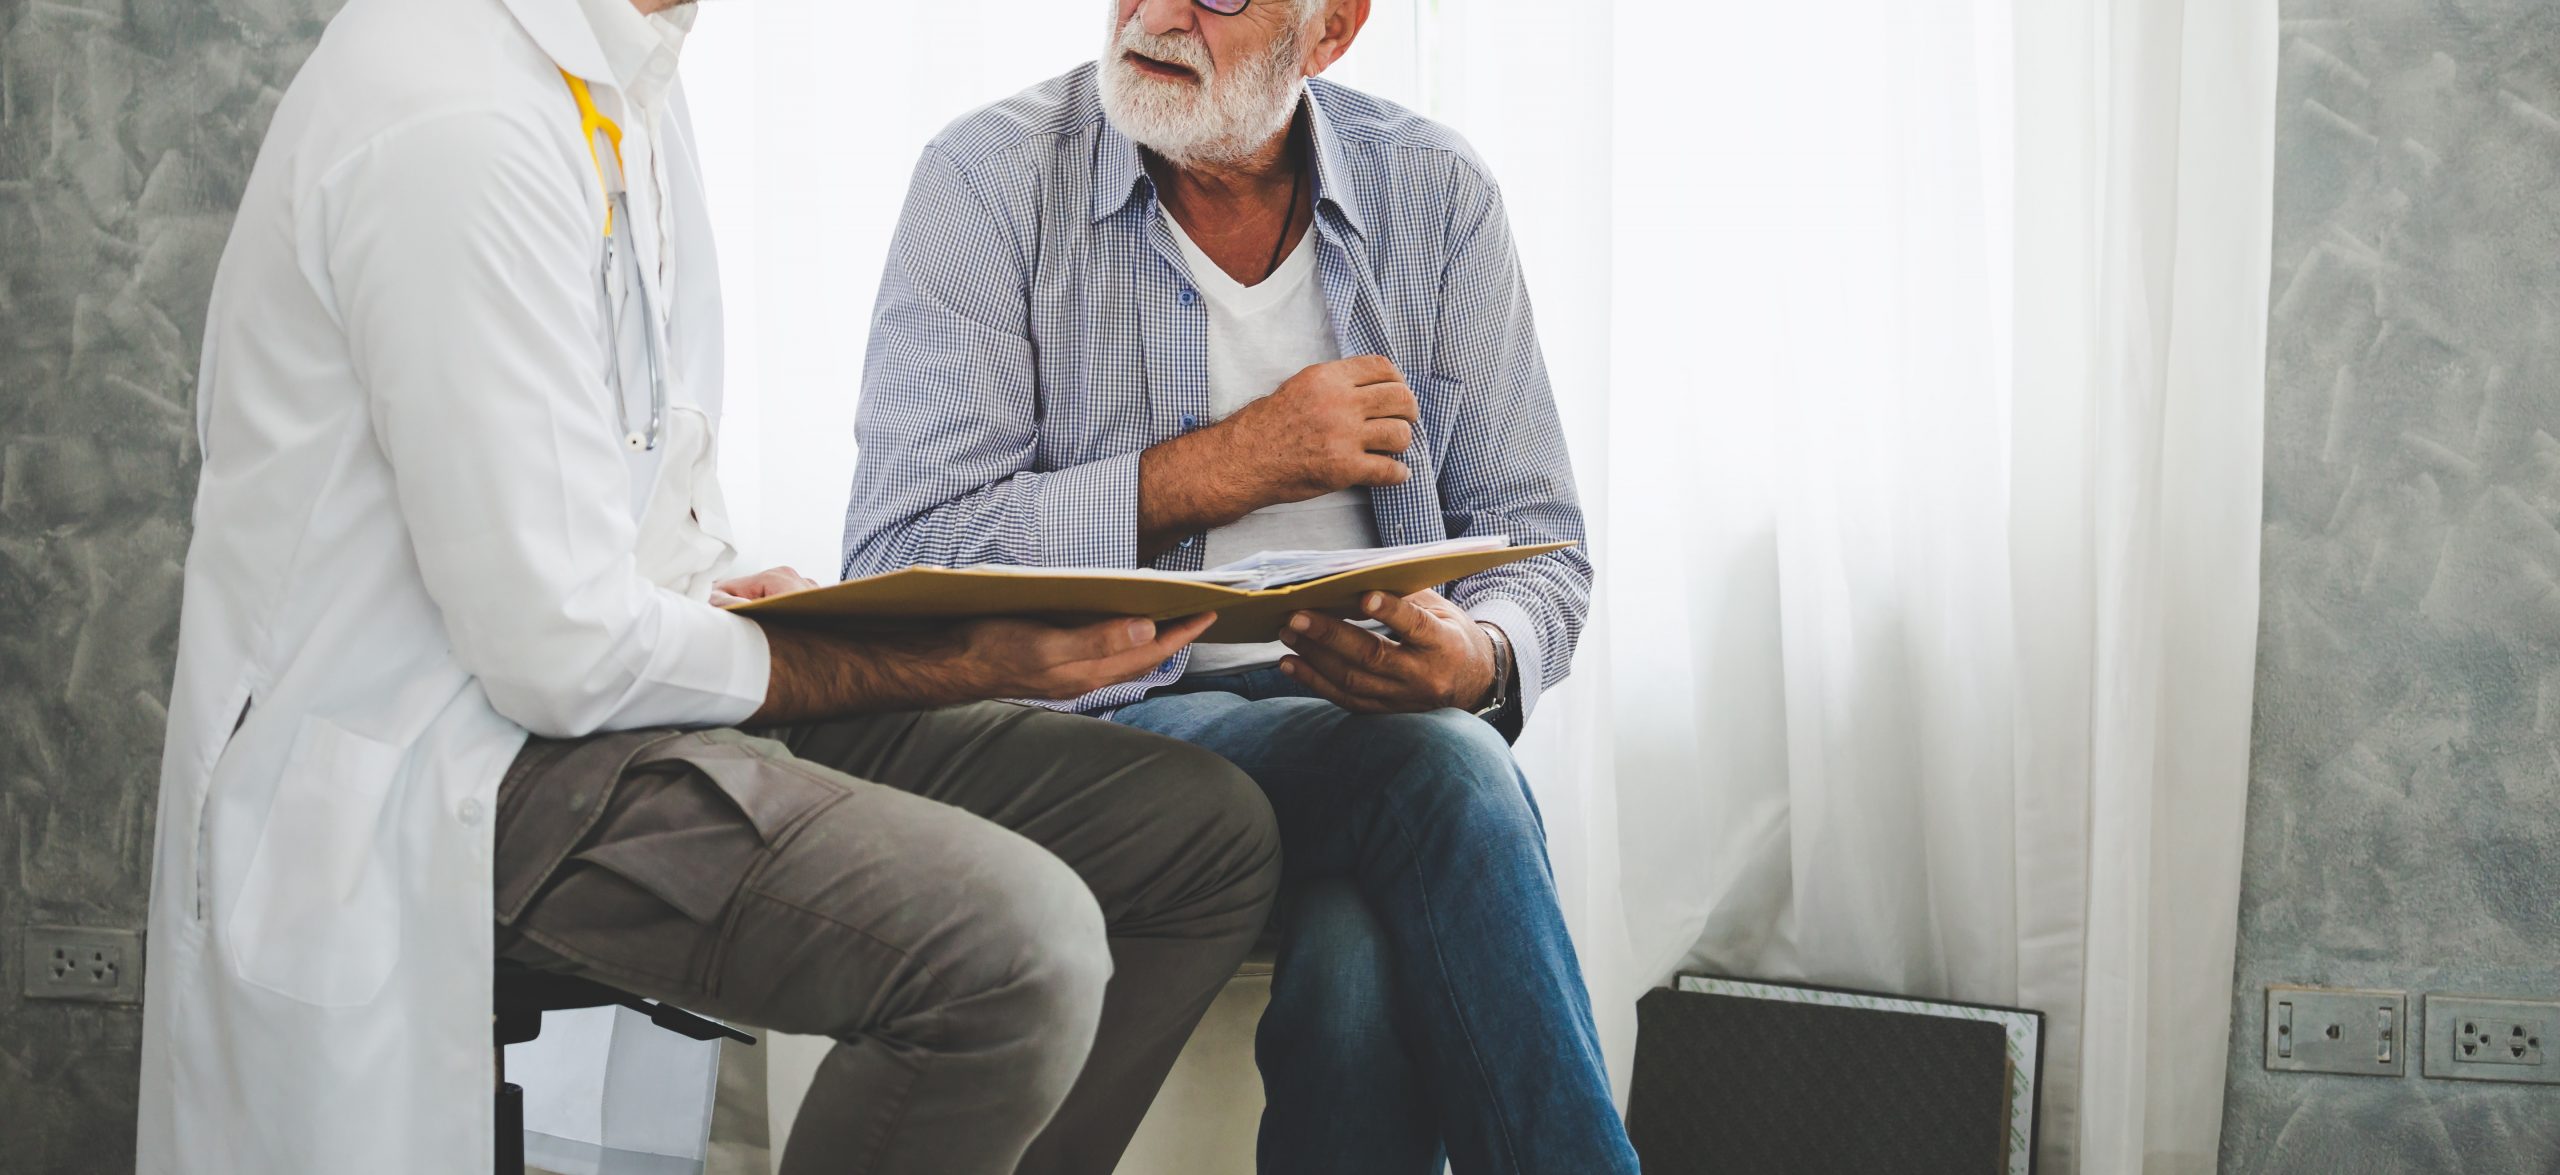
1189, 303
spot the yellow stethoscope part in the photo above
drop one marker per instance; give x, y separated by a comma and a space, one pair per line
592, 124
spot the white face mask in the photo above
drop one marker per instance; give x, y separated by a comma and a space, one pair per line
1222, 117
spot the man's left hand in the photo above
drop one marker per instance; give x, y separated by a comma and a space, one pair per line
775, 582
1438, 658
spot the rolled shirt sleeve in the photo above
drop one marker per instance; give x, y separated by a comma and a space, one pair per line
461, 256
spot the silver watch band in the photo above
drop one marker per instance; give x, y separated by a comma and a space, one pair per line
1501, 670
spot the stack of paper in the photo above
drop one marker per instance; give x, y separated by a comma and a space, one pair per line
1271, 569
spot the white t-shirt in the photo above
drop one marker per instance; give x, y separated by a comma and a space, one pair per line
1259, 336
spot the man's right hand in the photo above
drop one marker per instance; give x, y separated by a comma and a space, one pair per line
1013, 658
820, 674
1333, 426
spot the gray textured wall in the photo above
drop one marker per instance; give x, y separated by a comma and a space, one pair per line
126, 131
2404, 814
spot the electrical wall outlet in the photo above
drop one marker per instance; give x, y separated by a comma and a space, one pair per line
2480, 1039
82, 963
2337, 1030
2498, 1042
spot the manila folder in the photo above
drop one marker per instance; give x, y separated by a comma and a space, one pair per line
1244, 617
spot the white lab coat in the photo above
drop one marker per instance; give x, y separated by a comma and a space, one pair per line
414, 540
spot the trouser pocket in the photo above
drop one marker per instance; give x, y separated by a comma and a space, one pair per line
647, 889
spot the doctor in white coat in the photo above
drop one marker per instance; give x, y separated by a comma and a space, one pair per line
450, 686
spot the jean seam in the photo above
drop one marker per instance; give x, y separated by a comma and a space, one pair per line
1430, 922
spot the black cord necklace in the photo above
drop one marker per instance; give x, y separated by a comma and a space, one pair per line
1287, 218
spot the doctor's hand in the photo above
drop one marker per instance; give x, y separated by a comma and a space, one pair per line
1013, 658
778, 581
825, 673
1438, 657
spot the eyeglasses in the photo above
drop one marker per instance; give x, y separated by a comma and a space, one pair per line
1224, 7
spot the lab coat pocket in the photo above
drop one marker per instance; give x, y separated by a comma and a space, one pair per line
318, 918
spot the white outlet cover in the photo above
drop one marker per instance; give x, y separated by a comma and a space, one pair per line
2491, 1021
2355, 1031
89, 963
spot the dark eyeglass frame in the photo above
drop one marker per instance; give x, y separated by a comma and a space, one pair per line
1215, 6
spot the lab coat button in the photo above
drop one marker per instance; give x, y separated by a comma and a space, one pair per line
470, 811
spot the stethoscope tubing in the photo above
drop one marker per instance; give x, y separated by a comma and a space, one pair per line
617, 215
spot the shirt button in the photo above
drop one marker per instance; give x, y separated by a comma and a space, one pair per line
1193, 541
1187, 296
1190, 421
471, 812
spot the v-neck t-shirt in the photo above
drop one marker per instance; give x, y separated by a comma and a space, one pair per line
1260, 336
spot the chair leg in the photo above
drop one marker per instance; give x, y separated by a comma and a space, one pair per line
510, 1129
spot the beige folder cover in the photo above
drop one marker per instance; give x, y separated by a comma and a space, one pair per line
1244, 617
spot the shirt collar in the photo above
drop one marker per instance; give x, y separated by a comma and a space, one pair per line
640, 50
562, 33
1117, 170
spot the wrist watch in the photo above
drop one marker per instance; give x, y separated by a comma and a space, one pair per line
1501, 671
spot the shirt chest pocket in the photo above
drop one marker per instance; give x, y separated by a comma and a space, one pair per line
318, 918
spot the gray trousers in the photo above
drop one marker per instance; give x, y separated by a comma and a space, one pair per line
1008, 919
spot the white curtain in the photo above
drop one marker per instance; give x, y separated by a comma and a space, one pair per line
2145, 189
1911, 352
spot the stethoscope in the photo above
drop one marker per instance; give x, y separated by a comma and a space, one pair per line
617, 207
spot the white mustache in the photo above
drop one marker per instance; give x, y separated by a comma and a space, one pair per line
1171, 48
1221, 116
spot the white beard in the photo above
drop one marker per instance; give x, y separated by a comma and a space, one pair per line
1220, 119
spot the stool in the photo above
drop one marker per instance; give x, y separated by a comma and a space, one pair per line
524, 994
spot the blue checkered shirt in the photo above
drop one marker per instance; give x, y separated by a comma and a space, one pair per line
1037, 329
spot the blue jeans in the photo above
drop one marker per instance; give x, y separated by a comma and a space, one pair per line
1426, 993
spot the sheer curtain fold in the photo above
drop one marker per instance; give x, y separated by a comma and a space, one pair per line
1911, 354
